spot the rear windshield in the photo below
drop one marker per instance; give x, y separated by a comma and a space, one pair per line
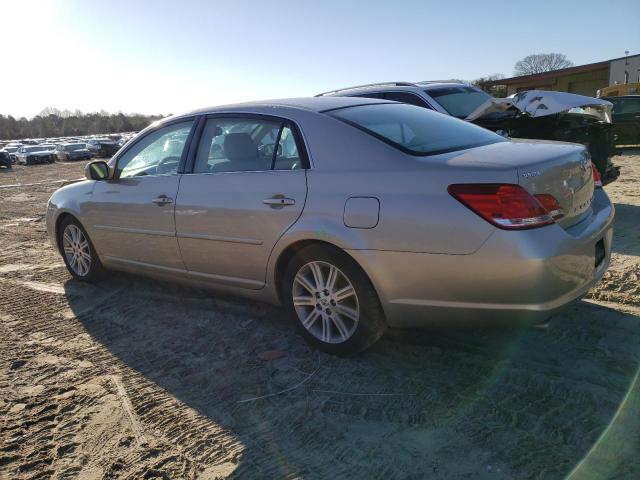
416, 130
459, 101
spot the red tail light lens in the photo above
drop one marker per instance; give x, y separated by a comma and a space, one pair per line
597, 178
551, 205
506, 206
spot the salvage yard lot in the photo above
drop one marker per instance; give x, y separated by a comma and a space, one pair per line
139, 379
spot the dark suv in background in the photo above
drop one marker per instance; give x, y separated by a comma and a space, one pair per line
5, 159
102, 147
626, 119
72, 151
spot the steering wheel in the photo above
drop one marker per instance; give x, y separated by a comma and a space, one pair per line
168, 165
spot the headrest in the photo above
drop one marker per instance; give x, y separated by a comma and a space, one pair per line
239, 146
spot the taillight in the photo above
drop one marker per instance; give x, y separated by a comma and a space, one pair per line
551, 205
506, 206
597, 178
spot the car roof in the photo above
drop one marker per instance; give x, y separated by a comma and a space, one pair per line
424, 86
315, 104
429, 85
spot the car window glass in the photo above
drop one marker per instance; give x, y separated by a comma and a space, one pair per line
458, 101
245, 144
405, 97
287, 156
416, 130
370, 95
157, 153
629, 105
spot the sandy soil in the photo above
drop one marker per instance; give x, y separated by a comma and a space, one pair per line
139, 379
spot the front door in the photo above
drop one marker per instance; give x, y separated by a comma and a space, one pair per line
247, 188
626, 119
131, 218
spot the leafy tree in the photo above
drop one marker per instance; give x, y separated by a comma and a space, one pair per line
541, 62
499, 91
52, 122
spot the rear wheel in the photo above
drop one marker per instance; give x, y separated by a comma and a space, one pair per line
78, 253
332, 301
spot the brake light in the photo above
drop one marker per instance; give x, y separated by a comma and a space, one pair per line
597, 178
551, 205
506, 206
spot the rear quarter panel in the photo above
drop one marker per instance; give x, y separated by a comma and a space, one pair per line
416, 212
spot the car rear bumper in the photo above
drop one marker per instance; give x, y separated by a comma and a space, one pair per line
515, 278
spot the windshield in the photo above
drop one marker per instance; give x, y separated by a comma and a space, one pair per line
416, 130
458, 101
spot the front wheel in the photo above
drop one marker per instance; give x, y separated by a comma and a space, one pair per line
78, 253
332, 301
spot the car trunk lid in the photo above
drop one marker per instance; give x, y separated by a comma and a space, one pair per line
568, 177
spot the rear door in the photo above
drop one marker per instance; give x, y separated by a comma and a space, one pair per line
247, 187
131, 218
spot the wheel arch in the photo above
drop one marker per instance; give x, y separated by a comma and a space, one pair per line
59, 221
290, 251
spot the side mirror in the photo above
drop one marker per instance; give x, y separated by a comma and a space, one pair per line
97, 170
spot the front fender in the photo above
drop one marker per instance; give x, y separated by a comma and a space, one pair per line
68, 199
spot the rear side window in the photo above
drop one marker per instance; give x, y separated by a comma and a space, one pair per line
415, 130
459, 101
404, 97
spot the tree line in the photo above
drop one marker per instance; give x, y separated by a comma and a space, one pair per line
53, 123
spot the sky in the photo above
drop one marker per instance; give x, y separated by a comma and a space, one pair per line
160, 57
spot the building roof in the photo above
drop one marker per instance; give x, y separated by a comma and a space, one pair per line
554, 73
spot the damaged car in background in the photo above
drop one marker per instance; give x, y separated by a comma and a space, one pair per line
533, 114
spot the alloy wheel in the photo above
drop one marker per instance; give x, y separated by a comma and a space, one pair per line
76, 250
325, 302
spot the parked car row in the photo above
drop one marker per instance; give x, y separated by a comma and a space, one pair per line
48, 150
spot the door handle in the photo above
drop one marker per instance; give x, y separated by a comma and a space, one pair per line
279, 201
162, 200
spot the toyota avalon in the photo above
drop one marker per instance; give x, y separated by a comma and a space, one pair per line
354, 214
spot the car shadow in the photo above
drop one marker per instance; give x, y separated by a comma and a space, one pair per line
448, 403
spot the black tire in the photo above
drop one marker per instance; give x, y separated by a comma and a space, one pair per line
371, 323
95, 271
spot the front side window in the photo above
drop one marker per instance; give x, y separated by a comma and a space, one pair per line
459, 101
157, 153
246, 144
416, 130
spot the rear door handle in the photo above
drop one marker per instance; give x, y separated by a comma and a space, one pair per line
279, 201
162, 200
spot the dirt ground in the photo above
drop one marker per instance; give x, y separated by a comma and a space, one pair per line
139, 379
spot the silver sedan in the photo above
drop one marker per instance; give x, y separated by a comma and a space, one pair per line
354, 214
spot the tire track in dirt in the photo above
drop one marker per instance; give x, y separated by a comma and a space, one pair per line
159, 412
